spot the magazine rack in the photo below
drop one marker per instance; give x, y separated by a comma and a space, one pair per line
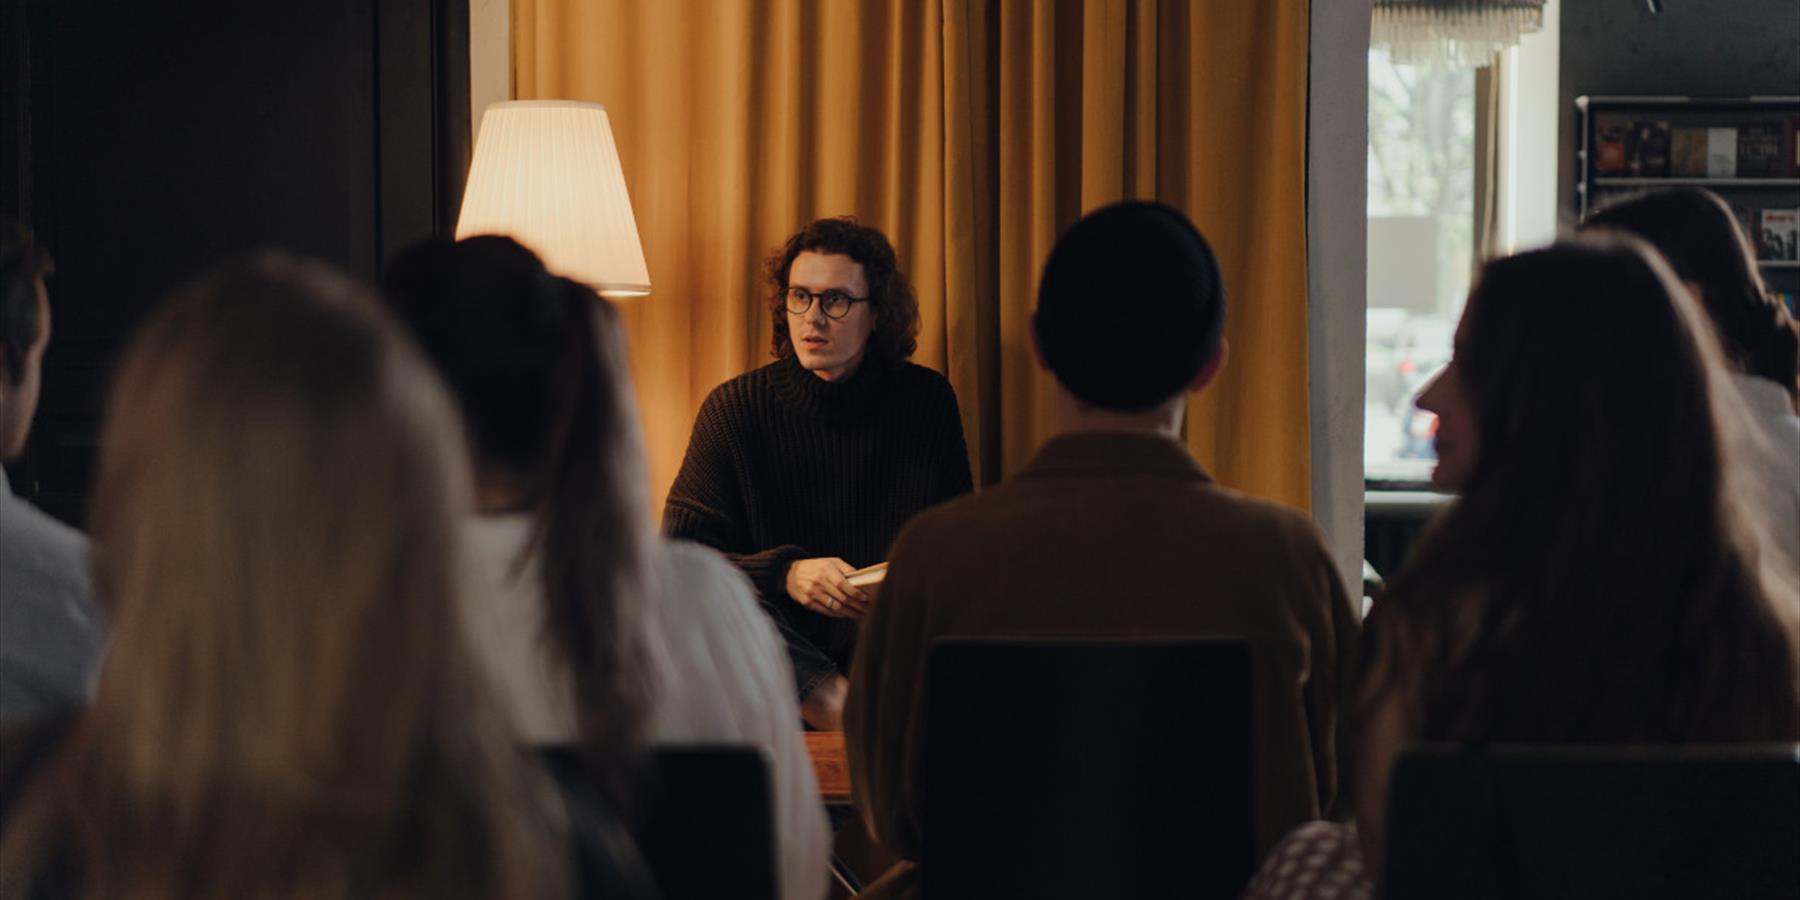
1747, 150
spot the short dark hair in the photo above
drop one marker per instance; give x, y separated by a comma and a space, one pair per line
1131, 306
891, 296
23, 265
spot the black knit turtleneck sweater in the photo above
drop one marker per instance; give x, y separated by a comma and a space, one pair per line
784, 465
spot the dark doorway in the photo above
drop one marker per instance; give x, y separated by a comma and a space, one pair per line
146, 142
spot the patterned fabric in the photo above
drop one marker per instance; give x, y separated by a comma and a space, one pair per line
1317, 861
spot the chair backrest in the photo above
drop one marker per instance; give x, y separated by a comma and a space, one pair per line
607, 860
1541, 822
1064, 769
708, 826
704, 823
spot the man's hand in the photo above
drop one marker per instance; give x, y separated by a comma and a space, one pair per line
821, 586
823, 709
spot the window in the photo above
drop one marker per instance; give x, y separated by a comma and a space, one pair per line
1422, 161
1462, 163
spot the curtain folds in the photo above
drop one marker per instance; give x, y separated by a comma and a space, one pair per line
973, 132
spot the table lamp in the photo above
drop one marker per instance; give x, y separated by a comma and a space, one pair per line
546, 173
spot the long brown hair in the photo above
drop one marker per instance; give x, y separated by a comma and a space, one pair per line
1700, 238
287, 709
538, 365
1593, 584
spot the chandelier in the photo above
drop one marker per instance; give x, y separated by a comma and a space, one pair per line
1458, 33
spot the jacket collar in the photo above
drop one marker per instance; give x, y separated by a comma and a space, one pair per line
1114, 453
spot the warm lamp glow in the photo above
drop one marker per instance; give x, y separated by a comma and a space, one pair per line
546, 173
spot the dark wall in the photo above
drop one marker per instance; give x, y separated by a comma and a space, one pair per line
1702, 48
157, 139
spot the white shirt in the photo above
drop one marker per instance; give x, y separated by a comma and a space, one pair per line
1774, 451
51, 635
718, 675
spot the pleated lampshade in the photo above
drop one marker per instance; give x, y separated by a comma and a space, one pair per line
547, 174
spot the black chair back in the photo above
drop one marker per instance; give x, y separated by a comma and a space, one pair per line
704, 823
1543, 822
708, 823
607, 861
1082, 769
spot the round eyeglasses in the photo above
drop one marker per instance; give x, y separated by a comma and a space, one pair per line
834, 303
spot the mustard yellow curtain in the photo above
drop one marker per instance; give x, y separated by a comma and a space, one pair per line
973, 132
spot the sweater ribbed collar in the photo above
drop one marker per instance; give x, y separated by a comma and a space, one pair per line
811, 395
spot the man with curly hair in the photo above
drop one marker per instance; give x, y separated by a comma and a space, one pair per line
803, 470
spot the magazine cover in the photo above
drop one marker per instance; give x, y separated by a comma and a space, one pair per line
1759, 150
1794, 146
1687, 153
1649, 151
1779, 238
1721, 152
1610, 136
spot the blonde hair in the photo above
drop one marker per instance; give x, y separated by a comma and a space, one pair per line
287, 709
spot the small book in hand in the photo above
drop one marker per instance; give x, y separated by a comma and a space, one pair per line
869, 579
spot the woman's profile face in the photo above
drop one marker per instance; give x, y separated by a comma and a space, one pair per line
1457, 440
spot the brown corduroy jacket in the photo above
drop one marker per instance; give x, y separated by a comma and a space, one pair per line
1111, 535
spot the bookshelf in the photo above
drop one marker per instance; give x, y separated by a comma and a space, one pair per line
1604, 182
1745, 149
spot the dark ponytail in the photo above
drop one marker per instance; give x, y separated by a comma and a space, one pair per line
591, 530
538, 367
1696, 232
